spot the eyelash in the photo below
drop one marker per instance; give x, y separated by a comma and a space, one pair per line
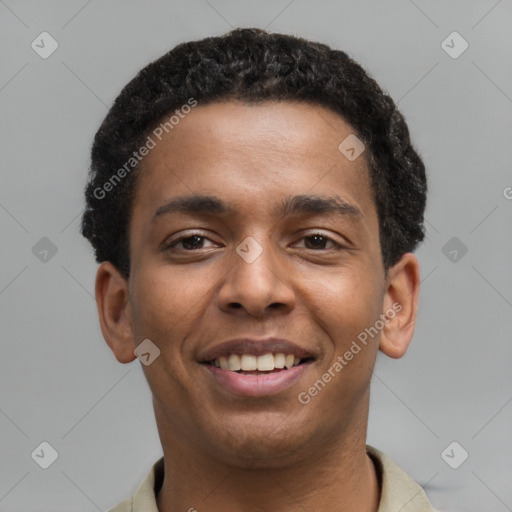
173, 244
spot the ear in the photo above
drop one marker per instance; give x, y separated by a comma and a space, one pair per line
400, 306
114, 312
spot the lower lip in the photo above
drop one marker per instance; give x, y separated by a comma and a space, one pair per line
257, 385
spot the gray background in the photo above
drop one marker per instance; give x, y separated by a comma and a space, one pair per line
59, 381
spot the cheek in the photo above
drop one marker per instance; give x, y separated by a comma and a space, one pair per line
343, 303
166, 303
165, 306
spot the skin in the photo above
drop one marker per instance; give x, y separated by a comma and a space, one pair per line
225, 452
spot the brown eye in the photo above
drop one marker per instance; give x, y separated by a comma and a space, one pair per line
189, 243
192, 242
316, 241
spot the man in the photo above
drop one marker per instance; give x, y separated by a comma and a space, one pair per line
254, 201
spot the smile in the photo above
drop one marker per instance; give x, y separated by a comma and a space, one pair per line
254, 364
252, 376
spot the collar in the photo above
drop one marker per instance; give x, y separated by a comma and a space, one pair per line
398, 490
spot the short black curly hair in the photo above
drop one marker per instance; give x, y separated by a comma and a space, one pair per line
252, 65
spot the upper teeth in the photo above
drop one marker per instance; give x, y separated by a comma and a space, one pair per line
264, 363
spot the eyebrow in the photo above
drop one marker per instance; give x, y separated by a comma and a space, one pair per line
195, 204
293, 205
311, 204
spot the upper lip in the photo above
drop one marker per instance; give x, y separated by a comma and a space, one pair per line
255, 347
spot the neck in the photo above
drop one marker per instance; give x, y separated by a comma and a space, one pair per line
338, 476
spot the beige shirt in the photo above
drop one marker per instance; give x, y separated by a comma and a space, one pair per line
399, 491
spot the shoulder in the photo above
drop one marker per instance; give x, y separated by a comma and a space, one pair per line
124, 506
144, 498
398, 490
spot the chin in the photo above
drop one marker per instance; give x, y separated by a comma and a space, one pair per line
261, 444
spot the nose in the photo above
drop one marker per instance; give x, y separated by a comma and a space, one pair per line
255, 287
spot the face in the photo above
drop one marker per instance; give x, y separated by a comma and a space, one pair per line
252, 235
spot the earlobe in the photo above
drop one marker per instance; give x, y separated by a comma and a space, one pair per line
400, 306
114, 312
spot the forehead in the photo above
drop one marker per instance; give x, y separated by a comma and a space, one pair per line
253, 153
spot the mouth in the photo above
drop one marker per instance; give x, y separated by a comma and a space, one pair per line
256, 383
252, 364
255, 368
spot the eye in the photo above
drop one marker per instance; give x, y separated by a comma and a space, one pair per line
318, 241
189, 243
